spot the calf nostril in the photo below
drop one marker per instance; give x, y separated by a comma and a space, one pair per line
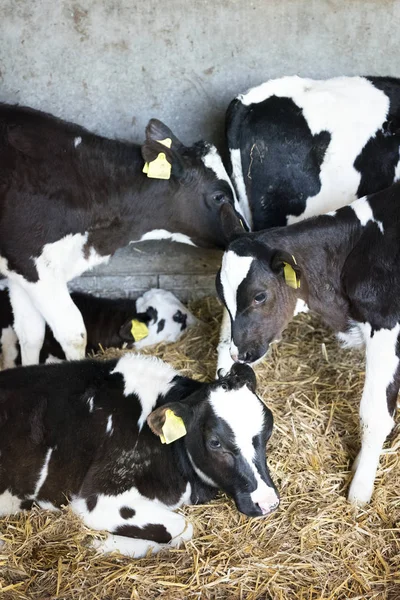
245, 357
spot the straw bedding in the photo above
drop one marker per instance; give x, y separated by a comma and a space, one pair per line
316, 546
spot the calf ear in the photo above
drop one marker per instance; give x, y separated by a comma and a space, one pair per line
232, 224
156, 133
170, 421
285, 263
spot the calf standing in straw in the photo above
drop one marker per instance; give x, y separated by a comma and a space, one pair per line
344, 266
127, 442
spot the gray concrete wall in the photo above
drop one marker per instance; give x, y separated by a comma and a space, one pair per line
113, 64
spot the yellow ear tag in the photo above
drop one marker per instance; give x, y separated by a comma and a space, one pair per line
173, 429
290, 275
139, 330
162, 166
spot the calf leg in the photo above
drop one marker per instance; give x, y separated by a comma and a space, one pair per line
136, 525
378, 402
51, 297
224, 360
29, 324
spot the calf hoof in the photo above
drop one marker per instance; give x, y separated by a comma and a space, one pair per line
360, 491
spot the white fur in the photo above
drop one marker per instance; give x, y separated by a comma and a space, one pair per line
163, 234
376, 422
243, 412
9, 348
53, 360
47, 505
364, 213
48, 299
166, 305
90, 402
9, 504
237, 174
77, 141
212, 160
224, 360
44, 471
353, 337
147, 377
106, 515
234, 270
351, 109
301, 307
109, 427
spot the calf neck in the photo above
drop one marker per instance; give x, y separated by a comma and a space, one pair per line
343, 266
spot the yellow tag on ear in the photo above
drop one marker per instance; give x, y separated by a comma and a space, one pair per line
290, 276
139, 330
159, 168
167, 142
173, 429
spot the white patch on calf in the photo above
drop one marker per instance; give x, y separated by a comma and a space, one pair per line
301, 307
234, 270
166, 305
376, 422
52, 360
200, 473
90, 403
9, 348
109, 428
213, 161
353, 337
244, 413
237, 173
163, 234
47, 505
364, 213
147, 377
77, 141
44, 471
9, 504
351, 109
106, 515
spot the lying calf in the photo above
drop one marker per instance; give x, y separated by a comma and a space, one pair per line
93, 432
157, 316
344, 266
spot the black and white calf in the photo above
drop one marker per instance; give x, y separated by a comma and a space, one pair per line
69, 199
157, 316
344, 266
302, 147
90, 433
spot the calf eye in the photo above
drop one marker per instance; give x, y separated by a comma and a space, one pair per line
260, 298
214, 443
219, 197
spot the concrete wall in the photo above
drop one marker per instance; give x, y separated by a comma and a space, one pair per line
113, 64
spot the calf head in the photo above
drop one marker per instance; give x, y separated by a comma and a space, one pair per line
198, 188
165, 319
227, 428
256, 283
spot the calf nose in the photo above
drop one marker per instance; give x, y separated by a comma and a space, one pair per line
266, 498
246, 357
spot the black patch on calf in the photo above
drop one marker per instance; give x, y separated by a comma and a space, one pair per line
126, 512
281, 160
26, 504
180, 317
377, 163
91, 502
161, 325
155, 533
152, 313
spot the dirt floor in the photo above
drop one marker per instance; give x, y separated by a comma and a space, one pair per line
316, 546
